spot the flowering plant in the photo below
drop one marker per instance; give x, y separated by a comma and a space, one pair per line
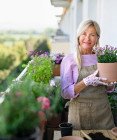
57, 58
107, 54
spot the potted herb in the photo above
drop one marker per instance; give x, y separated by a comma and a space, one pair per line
41, 67
107, 62
22, 113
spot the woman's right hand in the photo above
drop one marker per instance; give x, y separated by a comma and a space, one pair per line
93, 80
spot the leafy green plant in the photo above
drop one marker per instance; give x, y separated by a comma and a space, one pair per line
41, 68
107, 54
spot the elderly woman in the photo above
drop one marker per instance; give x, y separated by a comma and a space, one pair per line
89, 107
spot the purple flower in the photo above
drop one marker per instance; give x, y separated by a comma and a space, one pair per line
37, 53
57, 61
31, 52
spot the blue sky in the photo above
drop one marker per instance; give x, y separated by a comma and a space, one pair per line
28, 14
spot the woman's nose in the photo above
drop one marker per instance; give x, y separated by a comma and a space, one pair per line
87, 37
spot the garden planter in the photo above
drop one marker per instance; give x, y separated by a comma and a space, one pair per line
108, 70
66, 129
56, 70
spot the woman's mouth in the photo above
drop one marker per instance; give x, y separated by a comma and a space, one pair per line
87, 43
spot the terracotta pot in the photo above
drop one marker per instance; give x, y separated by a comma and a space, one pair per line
56, 70
71, 138
108, 70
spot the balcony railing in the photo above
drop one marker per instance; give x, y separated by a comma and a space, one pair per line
17, 79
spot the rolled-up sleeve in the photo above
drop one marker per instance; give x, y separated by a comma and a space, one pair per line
69, 75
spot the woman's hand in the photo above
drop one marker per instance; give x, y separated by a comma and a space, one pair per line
93, 80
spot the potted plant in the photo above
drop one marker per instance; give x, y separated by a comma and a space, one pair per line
44, 66
107, 62
57, 58
22, 113
41, 67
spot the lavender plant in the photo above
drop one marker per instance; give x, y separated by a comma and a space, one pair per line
107, 54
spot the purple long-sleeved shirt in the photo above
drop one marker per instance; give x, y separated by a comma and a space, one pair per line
69, 73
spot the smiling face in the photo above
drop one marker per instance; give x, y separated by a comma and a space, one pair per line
87, 40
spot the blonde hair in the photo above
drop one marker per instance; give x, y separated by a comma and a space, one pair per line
82, 27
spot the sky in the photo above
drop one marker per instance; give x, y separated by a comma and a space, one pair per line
28, 14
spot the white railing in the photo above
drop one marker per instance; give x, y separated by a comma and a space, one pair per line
17, 79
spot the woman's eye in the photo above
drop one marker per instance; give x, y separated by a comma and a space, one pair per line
93, 35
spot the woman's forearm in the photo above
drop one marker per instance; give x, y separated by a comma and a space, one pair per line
79, 87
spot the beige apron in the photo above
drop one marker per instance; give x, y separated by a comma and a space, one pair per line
91, 109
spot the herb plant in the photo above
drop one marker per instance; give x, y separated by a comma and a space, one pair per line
41, 68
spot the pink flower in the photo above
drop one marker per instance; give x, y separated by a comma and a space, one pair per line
45, 102
102, 53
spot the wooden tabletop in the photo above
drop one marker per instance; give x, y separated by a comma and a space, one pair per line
106, 133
